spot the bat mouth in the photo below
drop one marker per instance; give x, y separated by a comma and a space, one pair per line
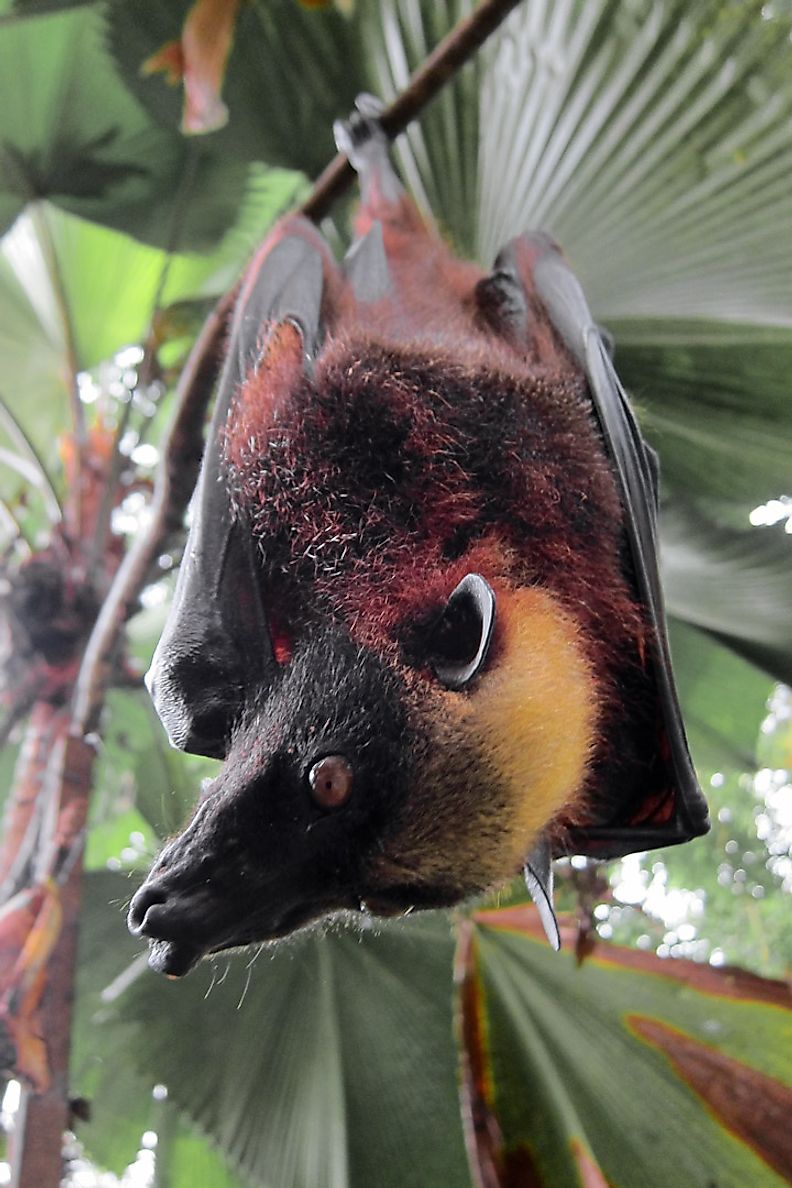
187, 928
185, 920
176, 957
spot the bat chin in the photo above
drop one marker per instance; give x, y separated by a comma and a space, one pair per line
174, 957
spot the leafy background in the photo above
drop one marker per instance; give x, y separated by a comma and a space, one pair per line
653, 140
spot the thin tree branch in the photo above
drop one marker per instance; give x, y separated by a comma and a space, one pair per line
147, 364
25, 805
452, 52
26, 448
11, 524
47, 244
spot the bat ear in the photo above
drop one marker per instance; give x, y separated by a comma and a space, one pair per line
661, 804
538, 873
460, 640
215, 647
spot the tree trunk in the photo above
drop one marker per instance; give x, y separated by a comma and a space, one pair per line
43, 1117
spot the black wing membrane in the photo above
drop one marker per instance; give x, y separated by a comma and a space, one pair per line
215, 646
678, 811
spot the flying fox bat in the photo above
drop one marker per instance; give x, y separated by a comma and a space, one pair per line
419, 614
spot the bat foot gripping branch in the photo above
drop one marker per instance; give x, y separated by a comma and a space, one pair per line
363, 141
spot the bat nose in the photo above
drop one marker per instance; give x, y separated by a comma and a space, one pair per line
149, 912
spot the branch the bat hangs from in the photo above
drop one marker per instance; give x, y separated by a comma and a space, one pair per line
419, 613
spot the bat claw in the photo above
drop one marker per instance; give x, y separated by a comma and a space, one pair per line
361, 136
369, 106
538, 872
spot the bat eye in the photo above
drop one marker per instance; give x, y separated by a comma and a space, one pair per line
330, 781
461, 639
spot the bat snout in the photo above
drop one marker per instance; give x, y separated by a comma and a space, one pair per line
183, 915
180, 926
162, 912
164, 919
195, 909
283, 835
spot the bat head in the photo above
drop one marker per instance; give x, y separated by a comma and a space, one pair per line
315, 767
378, 781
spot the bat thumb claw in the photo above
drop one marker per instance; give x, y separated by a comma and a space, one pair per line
538, 871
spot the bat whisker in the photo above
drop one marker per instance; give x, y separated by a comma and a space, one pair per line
255, 956
243, 995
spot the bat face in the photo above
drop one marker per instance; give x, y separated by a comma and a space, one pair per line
356, 782
412, 616
315, 768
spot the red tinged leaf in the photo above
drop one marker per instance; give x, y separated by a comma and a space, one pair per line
30, 925
570, 1056
590, 1174
168, 60
725, 981
754, 1107
200, 60
523, 918
483, 1137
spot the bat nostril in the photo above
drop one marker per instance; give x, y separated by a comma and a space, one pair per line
149, 896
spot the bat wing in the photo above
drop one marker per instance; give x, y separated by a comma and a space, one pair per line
366, 267
669, 807
215, 646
